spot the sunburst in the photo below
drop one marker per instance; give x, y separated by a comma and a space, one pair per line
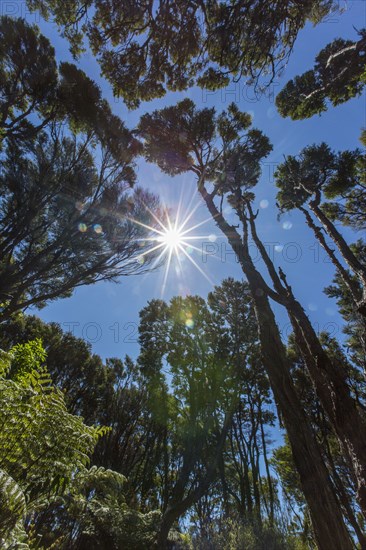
174, 240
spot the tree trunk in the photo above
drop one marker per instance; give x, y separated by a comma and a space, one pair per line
345, 499
269, 479
333, 392
347, 279
327, 377
326, 515
351, 260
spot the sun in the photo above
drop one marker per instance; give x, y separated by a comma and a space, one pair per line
172, 238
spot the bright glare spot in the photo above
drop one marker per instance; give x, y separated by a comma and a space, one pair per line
287, 225
171, 238
264, 203
313, 307
278, 247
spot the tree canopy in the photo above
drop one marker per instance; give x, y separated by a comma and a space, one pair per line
338, 75
68, 216
145, 48
221, 433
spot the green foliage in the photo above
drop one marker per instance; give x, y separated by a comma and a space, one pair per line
318, 171
149, 47
283, 462
339, 74
217, 397
97, 504
355, 323
234, 534
28, 77
82, 376
12, 506
41, 444
223, 149
67, 166
26, 358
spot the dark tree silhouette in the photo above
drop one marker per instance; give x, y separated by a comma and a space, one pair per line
67, 210
147, 47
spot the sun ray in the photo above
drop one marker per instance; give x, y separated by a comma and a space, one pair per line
189, 208
191, 246
151, 250
196, 226
157, 259
148, 226
196, 265
194, 237
172, 237
167, 267
155, 218
189, 216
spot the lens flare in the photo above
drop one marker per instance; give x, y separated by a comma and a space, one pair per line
172, 239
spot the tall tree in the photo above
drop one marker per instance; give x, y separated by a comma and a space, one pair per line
67, 211
207, 351
334, 455
147, 47
246, 444
224, 150
319, 172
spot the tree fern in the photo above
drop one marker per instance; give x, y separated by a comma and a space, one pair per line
42, 446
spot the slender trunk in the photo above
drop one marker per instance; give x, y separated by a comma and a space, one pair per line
328, 377
326, 515
248, 491
333, 392
244, 458
337, 264
344, 499
179, 503
351, 260
256, 493
254, 462
347, 254
269, 479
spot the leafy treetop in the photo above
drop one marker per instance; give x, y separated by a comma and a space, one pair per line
147, 47
338, 75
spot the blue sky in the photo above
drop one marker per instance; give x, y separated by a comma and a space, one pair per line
106, 314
